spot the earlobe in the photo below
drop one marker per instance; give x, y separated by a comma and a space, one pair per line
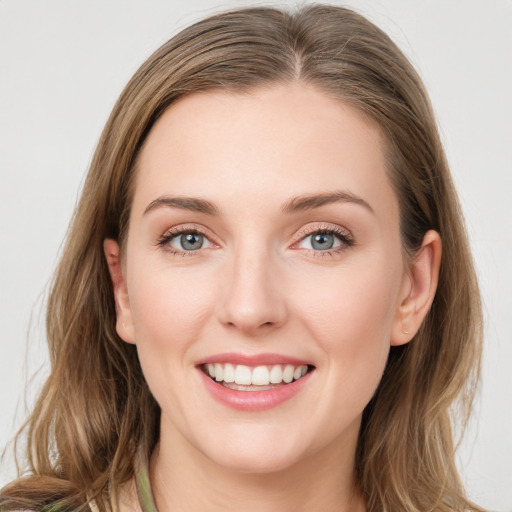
124, 324
418, 289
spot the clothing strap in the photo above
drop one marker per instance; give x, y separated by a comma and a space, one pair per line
143, 485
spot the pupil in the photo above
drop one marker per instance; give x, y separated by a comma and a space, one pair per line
322, 241
191, 241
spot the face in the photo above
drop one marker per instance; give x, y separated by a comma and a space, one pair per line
263, 278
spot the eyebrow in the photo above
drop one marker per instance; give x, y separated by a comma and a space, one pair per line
309, 202
184, 203
296, 204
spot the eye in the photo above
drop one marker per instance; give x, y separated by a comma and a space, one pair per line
321, 241
189, 242
182, 241
327, 240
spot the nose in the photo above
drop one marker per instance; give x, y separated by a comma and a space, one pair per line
253, 296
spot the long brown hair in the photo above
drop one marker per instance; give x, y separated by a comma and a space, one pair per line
95, 409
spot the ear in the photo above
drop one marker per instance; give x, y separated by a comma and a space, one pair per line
124, 323
418, 289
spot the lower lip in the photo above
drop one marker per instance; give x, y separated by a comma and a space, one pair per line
253, 400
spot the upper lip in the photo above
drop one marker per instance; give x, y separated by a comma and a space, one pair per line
252, 359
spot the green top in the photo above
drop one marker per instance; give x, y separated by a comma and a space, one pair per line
147, 504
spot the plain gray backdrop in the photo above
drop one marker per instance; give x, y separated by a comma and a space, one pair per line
64, 62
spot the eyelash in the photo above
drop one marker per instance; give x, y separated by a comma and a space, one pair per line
341, 234
164, 240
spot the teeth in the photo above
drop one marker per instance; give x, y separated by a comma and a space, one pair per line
276, 374
257, 376
288, 373
219, 373
260, 376
229, 373
242, 375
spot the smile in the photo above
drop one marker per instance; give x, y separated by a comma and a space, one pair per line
245, 378
254, 383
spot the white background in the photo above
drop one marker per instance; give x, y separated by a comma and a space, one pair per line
64, 62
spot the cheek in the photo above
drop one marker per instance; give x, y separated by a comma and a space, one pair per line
169, 311
354, 307
351, 320
168, 308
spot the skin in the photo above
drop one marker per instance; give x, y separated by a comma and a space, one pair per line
258, 286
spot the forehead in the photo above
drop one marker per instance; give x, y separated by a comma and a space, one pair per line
266, 145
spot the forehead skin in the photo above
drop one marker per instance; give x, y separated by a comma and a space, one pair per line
276, 142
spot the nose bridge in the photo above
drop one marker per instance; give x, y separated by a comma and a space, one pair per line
254, 301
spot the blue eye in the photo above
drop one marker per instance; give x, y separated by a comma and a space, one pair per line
191, 241
324, 241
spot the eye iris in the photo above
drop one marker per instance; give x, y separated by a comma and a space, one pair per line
322, 241
191, 241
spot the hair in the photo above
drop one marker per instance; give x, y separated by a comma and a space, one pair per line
95, 409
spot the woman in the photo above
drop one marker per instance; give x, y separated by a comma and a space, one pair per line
266, 299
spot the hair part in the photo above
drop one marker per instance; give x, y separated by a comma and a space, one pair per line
95, 409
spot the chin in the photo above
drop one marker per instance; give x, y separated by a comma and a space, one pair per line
256, 452
256, 463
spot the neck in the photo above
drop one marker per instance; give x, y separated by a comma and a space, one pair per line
184, 480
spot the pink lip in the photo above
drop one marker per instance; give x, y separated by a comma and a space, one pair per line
252, 400
252, 360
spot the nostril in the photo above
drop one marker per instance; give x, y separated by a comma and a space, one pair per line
250, 328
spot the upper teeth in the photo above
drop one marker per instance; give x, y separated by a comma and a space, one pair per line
257, 376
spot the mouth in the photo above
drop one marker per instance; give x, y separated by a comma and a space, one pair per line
253, 383
242, 377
